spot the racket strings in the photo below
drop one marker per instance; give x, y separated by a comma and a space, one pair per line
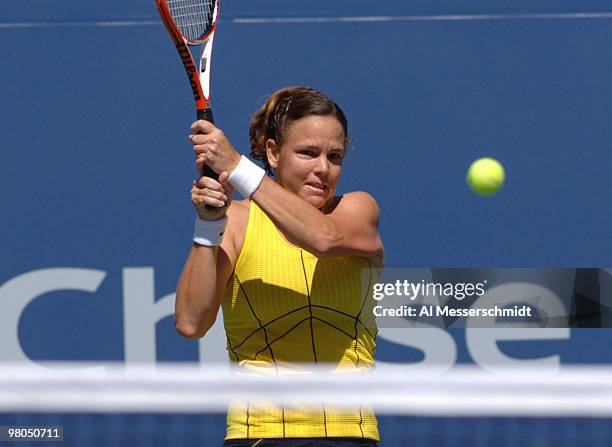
194, 18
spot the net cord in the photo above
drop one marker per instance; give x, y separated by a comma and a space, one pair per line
572, 392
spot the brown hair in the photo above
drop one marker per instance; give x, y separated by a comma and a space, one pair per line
284, 107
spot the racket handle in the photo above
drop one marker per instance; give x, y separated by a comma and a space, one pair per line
206, 114
210, 173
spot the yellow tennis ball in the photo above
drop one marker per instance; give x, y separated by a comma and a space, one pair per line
486, 176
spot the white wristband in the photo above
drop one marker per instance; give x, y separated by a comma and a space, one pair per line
246, 177
209, 232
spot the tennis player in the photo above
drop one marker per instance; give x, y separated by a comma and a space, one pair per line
291, 265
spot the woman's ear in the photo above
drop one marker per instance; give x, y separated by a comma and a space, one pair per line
272, 152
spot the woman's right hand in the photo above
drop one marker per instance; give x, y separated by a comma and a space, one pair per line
217, 194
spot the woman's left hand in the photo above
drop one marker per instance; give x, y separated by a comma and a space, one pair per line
212, 148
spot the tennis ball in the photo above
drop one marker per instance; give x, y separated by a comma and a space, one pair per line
486, 176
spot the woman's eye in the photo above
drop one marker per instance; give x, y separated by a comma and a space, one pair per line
336, 157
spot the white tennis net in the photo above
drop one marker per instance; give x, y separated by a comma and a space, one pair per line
464, 391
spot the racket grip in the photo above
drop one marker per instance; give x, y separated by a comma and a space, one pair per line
210, 173
206, 114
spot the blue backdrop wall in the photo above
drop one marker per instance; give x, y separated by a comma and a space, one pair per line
96, 169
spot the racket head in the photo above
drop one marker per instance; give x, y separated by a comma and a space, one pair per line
194, 20
198, 22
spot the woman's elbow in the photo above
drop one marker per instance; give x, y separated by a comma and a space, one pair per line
325, 244
322, 249
191, 330
330, 247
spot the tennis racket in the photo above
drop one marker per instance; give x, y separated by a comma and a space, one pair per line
192, 23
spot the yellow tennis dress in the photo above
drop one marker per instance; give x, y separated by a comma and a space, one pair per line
285, 308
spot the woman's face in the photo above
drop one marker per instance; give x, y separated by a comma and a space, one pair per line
309, 162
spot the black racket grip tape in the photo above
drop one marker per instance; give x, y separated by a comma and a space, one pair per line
206, 114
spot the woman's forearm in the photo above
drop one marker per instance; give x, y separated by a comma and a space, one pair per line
302, 223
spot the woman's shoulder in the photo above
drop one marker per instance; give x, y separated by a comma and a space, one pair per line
238, 213
239, 207
360, 196
238, 218
360, 201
